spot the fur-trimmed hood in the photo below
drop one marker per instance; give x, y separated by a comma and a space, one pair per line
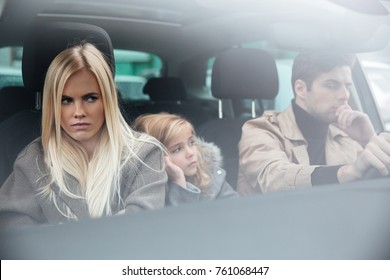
211, 157
210, 153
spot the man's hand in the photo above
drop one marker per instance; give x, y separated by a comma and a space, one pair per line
376, 154
174, 172
356, 124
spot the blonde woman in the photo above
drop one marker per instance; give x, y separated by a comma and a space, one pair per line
88, 162
193, 166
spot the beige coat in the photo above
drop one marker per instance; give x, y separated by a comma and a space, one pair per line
273, 153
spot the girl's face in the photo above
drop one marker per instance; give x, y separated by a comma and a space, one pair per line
82, 111
183, 151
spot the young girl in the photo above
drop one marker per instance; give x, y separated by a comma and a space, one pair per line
88, 162
193, 166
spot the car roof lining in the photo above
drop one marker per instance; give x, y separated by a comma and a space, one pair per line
183, 29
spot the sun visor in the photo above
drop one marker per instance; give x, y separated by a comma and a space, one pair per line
338, 25
360, 37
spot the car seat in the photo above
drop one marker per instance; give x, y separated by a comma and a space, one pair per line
238, 74
168, 94
15, 99
46, 40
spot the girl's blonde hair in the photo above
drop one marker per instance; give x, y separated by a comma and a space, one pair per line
164, 127
99, 174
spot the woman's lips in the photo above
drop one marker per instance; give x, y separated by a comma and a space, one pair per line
80, 126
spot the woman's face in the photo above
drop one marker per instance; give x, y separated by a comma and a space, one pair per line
183, 151
82, 110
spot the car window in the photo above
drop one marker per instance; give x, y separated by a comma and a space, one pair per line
10, 67
133, 69
376, 66
178, 39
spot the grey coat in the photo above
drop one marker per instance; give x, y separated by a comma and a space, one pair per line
218, 188
20, 204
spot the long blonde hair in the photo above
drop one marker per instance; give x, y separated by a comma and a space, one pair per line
98, 175
164, 127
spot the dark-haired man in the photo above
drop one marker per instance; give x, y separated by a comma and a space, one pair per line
317, 140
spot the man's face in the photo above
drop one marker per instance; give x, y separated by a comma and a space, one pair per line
329, 91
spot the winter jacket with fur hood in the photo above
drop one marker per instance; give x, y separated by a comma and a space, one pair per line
218, 188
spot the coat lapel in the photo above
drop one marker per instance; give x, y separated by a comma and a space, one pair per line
78, 206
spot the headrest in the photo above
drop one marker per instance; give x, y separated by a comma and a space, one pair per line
244, 73
47, 40
165, 89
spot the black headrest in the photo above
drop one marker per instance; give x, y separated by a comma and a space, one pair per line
244, 73
47, 40
165, 89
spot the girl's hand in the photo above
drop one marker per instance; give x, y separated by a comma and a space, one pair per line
174, 172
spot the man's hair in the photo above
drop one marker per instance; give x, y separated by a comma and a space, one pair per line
308, 66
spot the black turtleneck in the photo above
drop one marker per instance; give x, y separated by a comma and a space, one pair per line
315, 131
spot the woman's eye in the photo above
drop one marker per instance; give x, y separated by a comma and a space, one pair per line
66, 100
91, 98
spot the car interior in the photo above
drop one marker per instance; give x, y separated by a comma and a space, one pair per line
221, 63
238, 74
